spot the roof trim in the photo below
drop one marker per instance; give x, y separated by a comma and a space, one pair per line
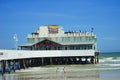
31, 44
72, 43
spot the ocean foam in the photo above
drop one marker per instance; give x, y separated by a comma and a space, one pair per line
110, 59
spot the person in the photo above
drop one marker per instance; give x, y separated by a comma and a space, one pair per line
57, 70
64, 69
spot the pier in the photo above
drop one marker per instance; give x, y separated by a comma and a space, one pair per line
11, 60
50, 45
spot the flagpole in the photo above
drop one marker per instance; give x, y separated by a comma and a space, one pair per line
16, 40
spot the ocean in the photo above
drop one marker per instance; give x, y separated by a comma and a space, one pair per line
109, 65
107, 68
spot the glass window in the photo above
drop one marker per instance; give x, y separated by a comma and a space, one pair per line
62, 39
75, 39
80, 39
77, 47
68, 39
83, 39
56, 39
72, 39
87, 39
66, 48
72, 47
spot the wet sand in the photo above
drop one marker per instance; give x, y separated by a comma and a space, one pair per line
57, 73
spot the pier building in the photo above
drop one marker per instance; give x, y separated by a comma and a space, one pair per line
51, 45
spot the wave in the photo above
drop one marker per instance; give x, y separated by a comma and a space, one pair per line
110, 59
114, 65
110, 62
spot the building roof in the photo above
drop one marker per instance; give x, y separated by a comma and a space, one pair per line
75, 43
59, 43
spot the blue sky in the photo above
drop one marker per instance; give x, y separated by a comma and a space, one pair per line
22, 17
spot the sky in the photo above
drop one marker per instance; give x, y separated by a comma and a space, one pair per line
23, 17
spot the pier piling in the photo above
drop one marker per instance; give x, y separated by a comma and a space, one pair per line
14, 65
3, 66
9, 70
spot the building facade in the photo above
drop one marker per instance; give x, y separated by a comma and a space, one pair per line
53, 37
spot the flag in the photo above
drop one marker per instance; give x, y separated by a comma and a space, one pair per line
15, 37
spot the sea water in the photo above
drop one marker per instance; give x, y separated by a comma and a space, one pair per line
108, 67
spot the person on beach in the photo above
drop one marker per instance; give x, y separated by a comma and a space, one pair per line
64, 70
57, 70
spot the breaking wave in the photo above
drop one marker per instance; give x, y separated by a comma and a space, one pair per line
110, 59
113, 62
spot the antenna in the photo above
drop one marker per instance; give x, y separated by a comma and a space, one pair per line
16, 40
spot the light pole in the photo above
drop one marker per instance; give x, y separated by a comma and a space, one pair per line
16, 41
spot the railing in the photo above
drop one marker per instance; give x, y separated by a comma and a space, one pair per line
63, 35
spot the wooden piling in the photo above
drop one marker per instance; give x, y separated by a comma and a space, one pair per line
14, 65
51, 61
3, 66
42, 61
80, 60
92, 60
9, 70
30, 62
97, 59
19, 67
24, 64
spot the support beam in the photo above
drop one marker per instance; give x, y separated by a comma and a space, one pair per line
97, 59
9, 70
24, 64
3, 66
51, 61
92, 60
19, 67
13, 65
42, 61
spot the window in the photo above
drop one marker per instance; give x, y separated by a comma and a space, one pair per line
77, 47
66, 48
72, 47
56, 39
68, 39
62, 39
80, 39
87, 39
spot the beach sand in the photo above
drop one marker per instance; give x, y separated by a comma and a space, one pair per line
74, 72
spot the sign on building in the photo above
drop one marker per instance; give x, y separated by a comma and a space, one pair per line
53, 29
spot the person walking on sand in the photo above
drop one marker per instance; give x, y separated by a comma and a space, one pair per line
64, 69
57, 70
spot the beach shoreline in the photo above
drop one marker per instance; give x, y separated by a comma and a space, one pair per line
56, 72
